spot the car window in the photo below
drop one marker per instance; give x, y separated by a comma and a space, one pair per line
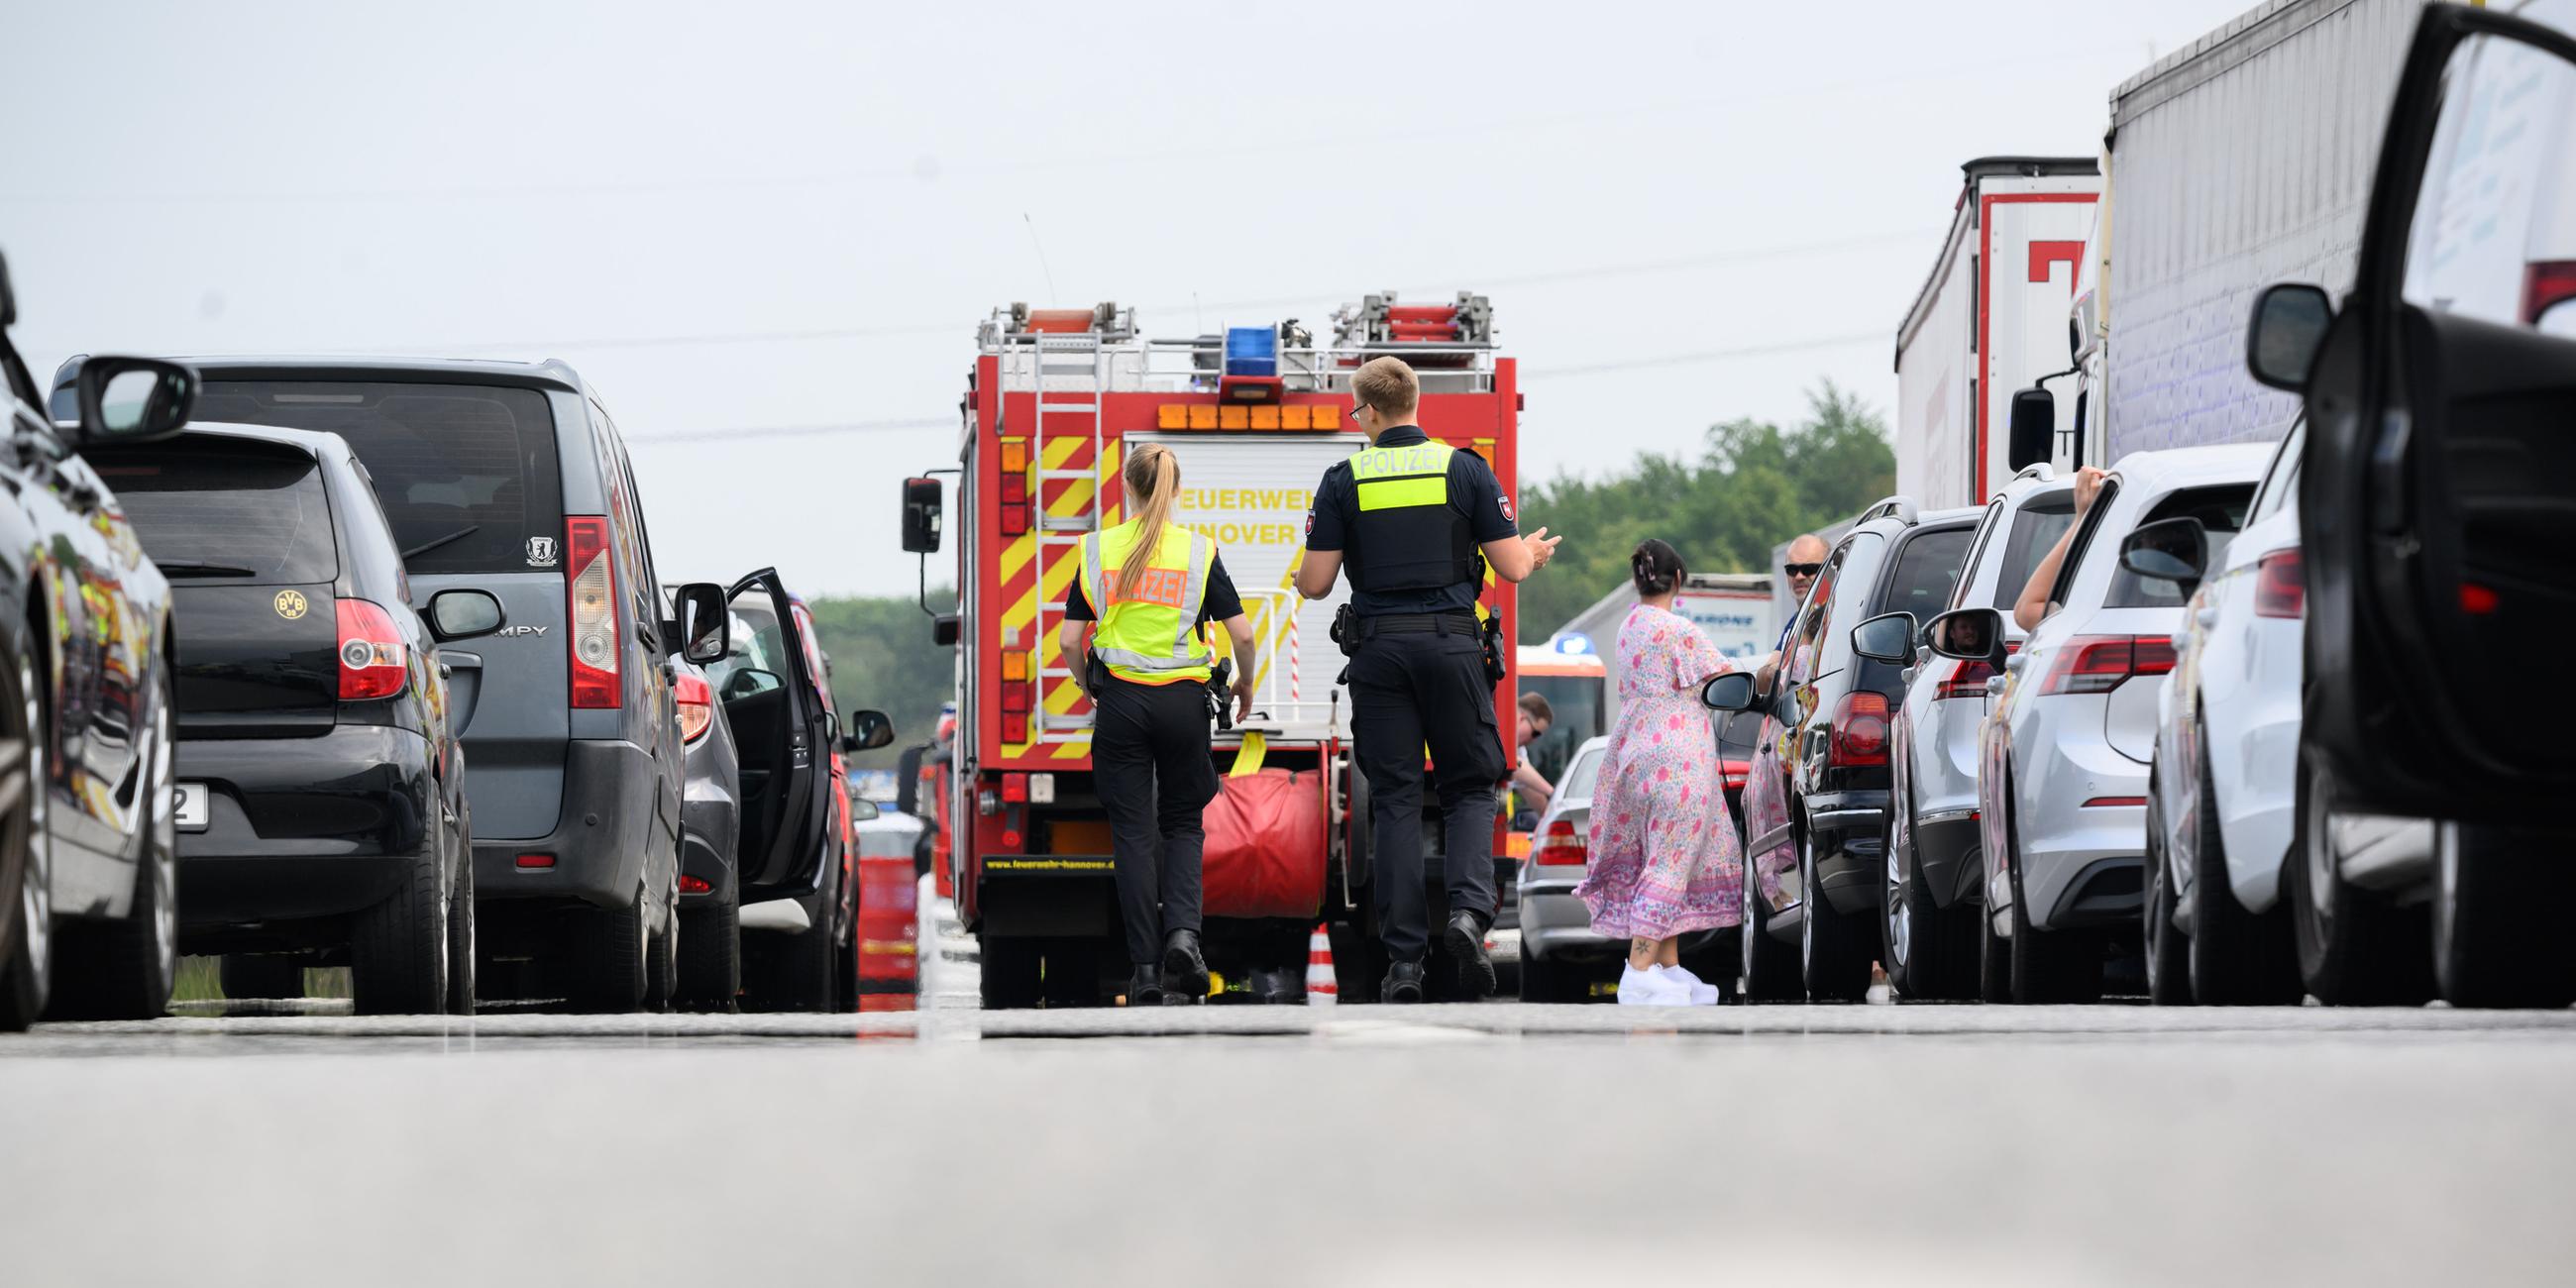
1851, 571
230, 513
1580, 776
2221, 511
1987, 523
2084, 534
467, 473
1926, 572
756, 659
2494, 233
2036, 526
2281, 477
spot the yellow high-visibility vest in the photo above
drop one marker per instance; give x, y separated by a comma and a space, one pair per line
1149, 632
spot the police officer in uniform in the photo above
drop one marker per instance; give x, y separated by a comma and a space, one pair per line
1409, 517
1152, 586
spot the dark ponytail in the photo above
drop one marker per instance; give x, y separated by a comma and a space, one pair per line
1656, 567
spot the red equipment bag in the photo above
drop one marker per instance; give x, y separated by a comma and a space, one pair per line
1265, 846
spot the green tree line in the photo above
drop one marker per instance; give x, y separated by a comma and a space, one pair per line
1752, 485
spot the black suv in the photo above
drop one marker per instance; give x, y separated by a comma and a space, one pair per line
1824, 751
510, 477
320, 799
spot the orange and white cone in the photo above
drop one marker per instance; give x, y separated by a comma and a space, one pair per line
1320, 988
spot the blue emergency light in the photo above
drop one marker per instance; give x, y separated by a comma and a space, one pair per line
1573, 642
1251, 351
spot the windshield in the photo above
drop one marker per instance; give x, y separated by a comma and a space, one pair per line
466, 473
1575, 701
242, 513
1579, 778
756, 659
1927, 572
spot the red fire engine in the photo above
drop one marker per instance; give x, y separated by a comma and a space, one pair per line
1255, 416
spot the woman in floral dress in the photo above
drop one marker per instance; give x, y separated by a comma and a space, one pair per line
1664, 855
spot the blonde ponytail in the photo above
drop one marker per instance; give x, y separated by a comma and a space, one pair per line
1153, 485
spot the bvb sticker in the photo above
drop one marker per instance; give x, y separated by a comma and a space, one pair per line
290, 604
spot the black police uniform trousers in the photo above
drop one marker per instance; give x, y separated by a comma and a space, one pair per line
1409, 688
1150, 762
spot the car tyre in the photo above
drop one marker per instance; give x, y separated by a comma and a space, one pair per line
610, 946
398, 949
462, 947
662, 955
1928, 950
2498, 898
1833, 947
2168, 956
711, 954
2355, 949
2047, 965
124, 969
253, 977
26, 877
2237, 957
1768, 971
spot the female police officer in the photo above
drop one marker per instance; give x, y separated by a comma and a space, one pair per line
1152, 586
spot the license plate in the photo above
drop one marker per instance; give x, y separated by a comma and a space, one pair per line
189, 809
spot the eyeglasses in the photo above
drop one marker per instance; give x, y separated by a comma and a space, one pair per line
1802, 570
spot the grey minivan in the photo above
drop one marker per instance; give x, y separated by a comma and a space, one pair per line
510, 477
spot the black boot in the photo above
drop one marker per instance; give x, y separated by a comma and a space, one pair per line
1185, 973
1146, 988
1403, 983
1466, 941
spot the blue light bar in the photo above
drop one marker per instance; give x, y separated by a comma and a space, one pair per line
1251, 351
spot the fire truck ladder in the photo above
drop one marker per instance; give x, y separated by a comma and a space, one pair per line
1064, 411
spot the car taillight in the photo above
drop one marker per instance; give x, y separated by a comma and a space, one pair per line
1860, 729
591, 597
2544, 284
372, 664
1735, 771
1562, 845
1969, 681
2280, 585
697, 706
2101, 663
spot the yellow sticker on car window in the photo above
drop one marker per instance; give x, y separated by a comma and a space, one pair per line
290, 604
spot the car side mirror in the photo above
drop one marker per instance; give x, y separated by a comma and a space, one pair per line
1888, 637
464, 614
2175, 550
869, 730
943, 630
2288, 328
132, 399
922, 503
705, 628
1732, 691
2033, 433
1968, 634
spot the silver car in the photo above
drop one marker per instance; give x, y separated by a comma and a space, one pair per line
1561, 959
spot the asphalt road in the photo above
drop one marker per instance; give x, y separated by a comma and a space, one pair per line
1354, 1145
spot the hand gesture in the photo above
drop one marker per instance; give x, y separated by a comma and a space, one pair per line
2088, 485
1542, 547
1242, 698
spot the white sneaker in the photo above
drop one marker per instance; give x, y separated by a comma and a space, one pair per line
1700, 994
1651, 988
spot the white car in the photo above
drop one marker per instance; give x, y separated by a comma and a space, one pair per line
1928, 937
2062, 773
2223, 787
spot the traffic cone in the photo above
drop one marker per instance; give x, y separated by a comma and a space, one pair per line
1321, 990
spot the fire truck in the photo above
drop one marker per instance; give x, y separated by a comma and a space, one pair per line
1255, 416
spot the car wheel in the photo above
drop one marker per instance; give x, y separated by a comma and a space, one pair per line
123, 970
711, 954
399, 949
2048, 965
2355, 948
1833, 951
26, 876
461, 945
609, 948
260, 976
1926, 948
2237, 958
2498, 897
662, 955
2168, 957
1767, 969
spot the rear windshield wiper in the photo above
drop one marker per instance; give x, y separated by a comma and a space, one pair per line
201, 568
425, 547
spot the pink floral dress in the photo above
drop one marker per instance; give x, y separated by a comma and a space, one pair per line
1665, 858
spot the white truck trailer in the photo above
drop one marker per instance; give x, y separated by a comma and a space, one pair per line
2241, 160
1989, 321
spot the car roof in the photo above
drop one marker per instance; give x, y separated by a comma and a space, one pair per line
2186, 466
548, 373
320, 443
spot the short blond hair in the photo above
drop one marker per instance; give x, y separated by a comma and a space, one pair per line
1388, 386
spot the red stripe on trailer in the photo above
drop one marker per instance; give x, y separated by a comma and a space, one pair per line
2046, 254
1985, 304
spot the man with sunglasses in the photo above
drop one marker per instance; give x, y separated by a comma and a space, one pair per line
1414, 520
1805, 560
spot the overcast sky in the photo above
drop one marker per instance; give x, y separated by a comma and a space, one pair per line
743, 216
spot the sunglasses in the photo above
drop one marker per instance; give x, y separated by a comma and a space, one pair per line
1802, 570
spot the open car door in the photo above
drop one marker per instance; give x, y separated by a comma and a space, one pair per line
778, 723
2438, 489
